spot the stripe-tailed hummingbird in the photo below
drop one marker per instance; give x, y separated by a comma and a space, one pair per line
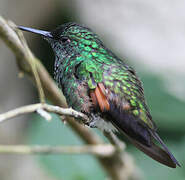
101, 85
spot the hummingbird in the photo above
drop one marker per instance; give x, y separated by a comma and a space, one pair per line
96, 82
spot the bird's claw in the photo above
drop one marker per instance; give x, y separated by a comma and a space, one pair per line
92, 124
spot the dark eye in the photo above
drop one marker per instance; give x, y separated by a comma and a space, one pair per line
65, 39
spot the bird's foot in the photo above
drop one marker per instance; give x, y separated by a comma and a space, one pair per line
92, 124
94, 121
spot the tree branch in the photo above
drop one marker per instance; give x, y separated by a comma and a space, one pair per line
38, 107
103, 150
119, 166
27, 53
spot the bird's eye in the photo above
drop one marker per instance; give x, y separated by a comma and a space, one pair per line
65, 39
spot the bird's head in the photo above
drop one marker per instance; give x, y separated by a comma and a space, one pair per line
69, 38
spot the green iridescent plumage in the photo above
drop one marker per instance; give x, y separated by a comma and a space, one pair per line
98, 83
94, 59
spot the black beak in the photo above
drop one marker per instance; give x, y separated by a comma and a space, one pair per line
46, 34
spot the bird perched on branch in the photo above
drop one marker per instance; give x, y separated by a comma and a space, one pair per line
98, 83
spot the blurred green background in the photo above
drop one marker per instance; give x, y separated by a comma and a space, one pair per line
150, 37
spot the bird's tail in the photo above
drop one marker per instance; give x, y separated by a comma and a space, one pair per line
158, 139
142, 137
155, 152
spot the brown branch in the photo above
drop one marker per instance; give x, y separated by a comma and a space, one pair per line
119, 166
30, 60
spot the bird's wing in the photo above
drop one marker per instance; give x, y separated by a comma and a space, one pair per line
119, 104
121, 88
113, 82
128, 125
